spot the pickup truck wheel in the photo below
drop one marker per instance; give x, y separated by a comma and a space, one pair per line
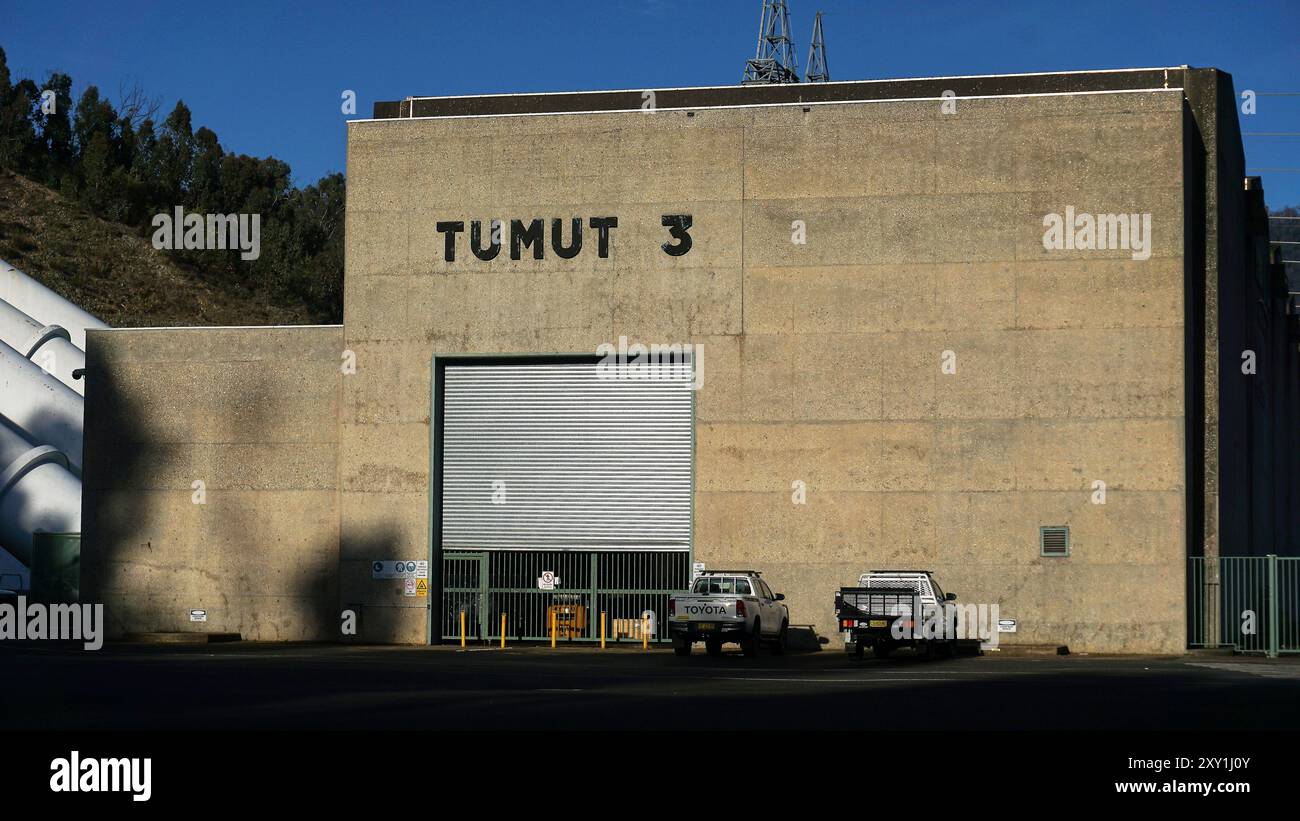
713, 647
778, 646
751, 643
681, 647
859, 650
881, 649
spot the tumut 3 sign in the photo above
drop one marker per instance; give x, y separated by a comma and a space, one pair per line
530, 236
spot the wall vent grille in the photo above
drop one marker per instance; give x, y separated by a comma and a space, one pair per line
1054, 541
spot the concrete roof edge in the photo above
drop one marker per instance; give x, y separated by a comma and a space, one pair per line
831, 83
806, 103
986, 85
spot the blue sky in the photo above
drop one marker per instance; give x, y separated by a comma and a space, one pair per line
266, 76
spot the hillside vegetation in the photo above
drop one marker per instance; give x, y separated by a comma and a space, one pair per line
108, 269
80, 186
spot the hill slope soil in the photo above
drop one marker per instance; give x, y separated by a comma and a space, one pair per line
112, 272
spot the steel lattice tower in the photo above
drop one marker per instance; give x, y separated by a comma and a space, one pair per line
774, 60
818, 70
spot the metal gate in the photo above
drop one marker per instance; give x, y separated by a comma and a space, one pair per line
1248, 603
464, 590
629, 588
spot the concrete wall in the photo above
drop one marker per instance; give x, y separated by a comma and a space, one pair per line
253, 414
822, 360
1252, 451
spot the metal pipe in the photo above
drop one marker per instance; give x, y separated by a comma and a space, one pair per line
40, 407
49, 346
44, 305
37, 492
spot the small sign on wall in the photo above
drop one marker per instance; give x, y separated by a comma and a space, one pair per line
198, 615
548, 580
399, 570
1006, 625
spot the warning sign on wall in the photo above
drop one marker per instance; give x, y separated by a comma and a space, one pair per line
409, 585
399, 570
421, 588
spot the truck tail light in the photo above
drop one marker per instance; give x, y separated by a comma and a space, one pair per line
740, 609
672, 607
846, 623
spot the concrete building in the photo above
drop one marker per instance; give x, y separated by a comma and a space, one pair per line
991, 327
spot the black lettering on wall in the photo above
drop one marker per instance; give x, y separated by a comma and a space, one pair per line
603, 226
476, 241
576, 246
677, 225
451, 229
532, 235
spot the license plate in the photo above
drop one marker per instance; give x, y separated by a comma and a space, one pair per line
704, 627
878, 623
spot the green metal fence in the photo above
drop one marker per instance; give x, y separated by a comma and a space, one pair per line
631, 588
1250, 604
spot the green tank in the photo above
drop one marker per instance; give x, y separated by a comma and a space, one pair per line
56, 567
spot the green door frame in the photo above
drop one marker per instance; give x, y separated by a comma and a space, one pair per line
434, 527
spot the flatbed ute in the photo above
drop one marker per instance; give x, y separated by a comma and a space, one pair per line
886, 609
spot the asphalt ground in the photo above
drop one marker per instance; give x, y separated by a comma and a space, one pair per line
323, 687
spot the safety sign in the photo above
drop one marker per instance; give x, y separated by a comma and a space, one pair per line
399, 570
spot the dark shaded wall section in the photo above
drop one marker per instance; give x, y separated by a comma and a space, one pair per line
1251, 452
1271, 445
252, 413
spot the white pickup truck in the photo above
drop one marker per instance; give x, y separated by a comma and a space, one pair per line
728, 606
868, 614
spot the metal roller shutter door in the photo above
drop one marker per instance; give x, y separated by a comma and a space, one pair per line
588, 463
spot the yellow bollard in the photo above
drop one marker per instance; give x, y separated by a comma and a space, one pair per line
503, 631
552, 629
602, 629
645, 633
462, 628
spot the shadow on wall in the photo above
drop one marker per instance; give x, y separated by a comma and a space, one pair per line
114, 459
260, 557
379, 618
